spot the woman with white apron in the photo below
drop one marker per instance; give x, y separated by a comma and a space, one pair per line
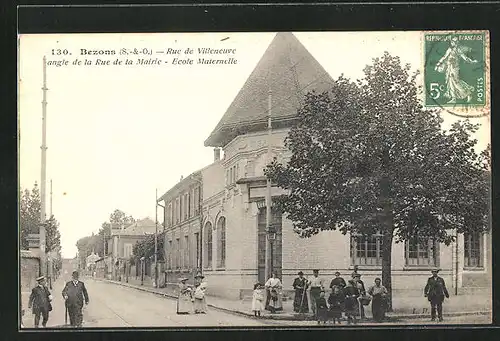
274, 300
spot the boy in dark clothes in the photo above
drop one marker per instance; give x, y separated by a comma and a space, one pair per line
322, 308
336, 302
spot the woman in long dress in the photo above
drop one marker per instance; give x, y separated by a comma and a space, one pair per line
184, 303
274, 294
351, 301
449, 64
300, 304
379, 294
200, 303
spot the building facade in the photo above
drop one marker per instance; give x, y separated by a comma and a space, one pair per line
121, 244
182, 212
234, 209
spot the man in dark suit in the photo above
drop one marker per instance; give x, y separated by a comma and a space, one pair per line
75, 293
362, 293
337, 281
40, 301
435, 291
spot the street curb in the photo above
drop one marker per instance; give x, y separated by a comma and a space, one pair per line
296, 317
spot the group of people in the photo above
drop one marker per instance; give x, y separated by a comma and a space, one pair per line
192, 298
345, 297
74, 294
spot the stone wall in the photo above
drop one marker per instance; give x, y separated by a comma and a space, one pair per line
30, 270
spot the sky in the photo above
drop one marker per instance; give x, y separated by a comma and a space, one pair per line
117, 133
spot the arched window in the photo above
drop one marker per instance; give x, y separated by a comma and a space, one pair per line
221, 242
208, 245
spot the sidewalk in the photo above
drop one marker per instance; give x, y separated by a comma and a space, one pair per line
403, 307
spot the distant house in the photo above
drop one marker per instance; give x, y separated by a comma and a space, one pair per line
90, 262
122, 241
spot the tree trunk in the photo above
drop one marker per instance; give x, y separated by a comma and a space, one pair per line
387, 230
386, 266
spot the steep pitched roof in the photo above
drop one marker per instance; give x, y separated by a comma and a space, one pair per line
289, 71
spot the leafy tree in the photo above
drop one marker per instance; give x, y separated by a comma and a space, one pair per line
29, 220
52, 234
29, 214
96, 242
119, 218
366, 157
146, 247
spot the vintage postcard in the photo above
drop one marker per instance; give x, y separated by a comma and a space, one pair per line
268, 179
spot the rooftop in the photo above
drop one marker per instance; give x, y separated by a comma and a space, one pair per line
194, 177
285, 73
139, 228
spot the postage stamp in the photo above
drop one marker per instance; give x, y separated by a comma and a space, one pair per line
456, 72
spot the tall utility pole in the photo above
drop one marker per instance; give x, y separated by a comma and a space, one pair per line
156, 238
268, 191
164, 227
43, 171
50, 198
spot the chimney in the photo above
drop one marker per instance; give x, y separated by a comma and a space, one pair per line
182, 177
216, 154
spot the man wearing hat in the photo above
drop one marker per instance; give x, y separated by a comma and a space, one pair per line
435, 291
317, 285
362, 293
40, 301
300, 304
74, 294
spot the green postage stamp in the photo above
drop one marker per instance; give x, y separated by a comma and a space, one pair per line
456, 72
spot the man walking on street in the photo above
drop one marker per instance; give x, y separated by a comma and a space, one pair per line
316, 285
40, 301
74, 293
435, 291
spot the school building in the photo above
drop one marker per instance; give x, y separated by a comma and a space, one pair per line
215, 219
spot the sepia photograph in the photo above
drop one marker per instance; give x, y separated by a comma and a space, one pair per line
256, 179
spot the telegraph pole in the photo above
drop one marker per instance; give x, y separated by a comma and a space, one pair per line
268, 192
43, 217
50, 197
156, 239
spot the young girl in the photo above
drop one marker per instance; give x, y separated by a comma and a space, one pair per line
336, 302
257, 299
351, 302
322, 308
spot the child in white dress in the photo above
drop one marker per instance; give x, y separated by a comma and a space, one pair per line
257, 299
